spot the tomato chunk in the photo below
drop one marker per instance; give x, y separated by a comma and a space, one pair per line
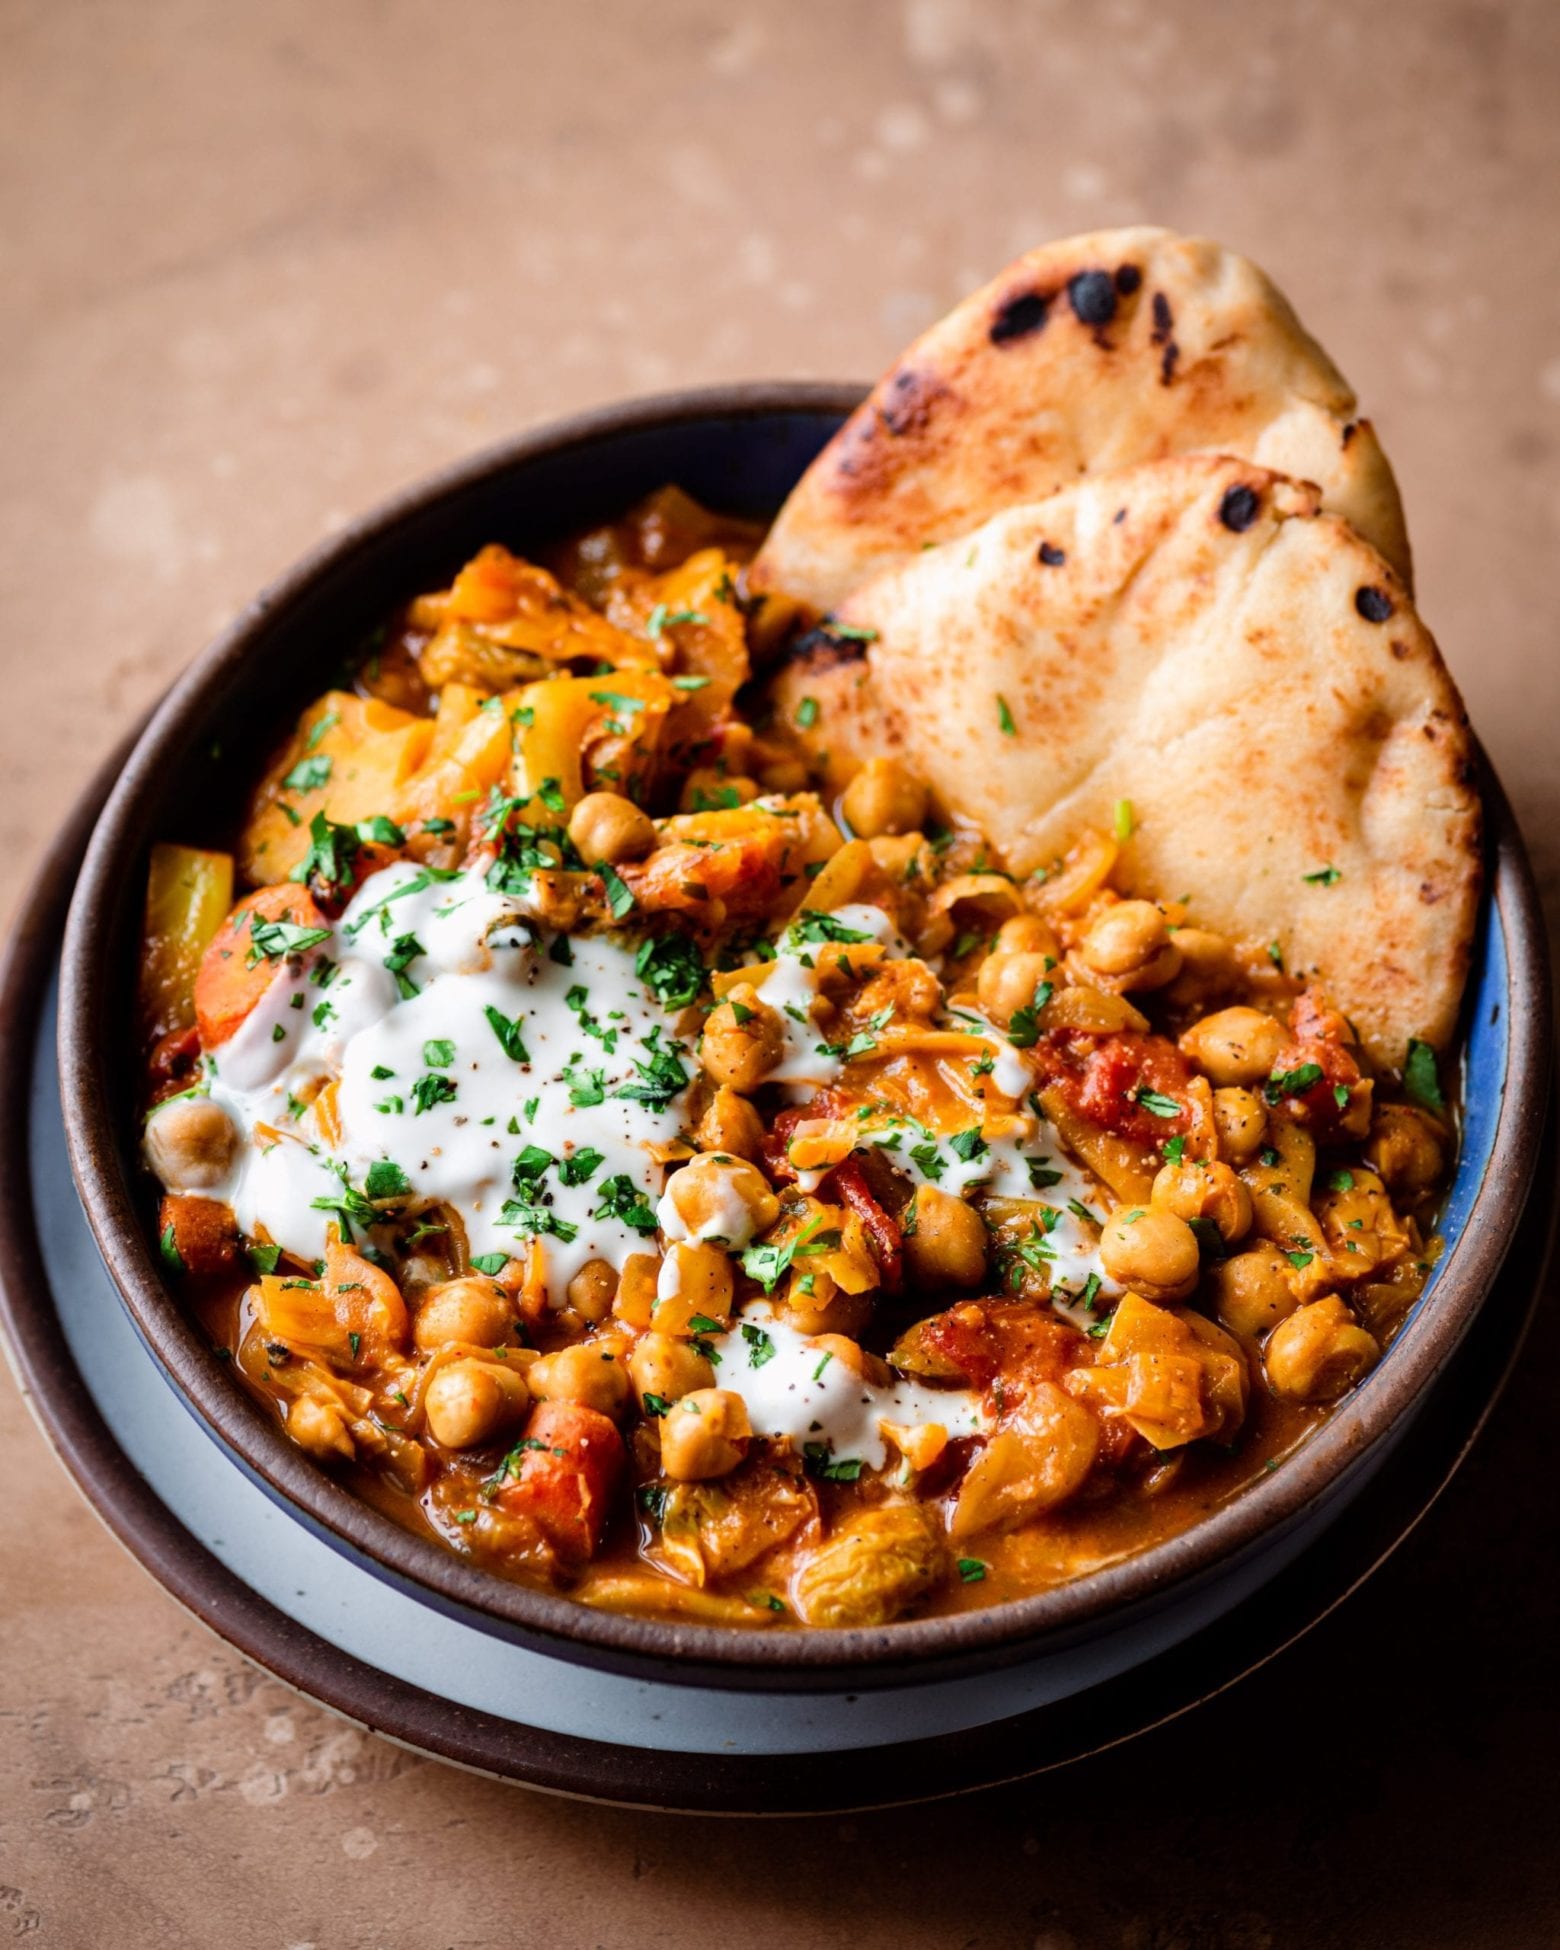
234, 972
847, 1185
1124, 1083
572, 1465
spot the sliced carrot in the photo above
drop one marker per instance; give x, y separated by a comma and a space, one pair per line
234, 972
572, 1464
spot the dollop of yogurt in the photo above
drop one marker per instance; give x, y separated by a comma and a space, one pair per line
527, 1084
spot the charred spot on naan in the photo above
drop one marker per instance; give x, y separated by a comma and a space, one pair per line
1082, 357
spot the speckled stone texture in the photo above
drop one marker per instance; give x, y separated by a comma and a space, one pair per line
266, 262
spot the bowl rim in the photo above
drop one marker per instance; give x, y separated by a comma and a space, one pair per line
1017, 1630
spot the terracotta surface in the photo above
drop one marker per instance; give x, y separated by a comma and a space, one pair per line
267, 262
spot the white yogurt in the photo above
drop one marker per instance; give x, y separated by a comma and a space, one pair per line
793, 1388
427, 1084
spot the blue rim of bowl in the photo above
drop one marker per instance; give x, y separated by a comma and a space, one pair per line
804, 1660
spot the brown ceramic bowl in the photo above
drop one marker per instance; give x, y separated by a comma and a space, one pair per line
739, 448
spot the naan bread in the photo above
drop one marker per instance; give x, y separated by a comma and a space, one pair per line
1198, 637
1084, 356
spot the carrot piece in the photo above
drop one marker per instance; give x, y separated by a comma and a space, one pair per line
572, 1464
197, 1235
234, 974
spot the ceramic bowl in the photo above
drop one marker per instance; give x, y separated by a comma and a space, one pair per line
738, 448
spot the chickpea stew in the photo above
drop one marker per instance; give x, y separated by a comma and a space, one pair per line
664, 1182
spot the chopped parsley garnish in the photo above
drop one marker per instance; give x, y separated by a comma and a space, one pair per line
430, 1090
439, 1053
275, 940
1340, 1180
381, 831
490, 1263
332, 850
807, 713
621, 1199
264, 1259
1155, 1103
809, 926
971, 1570
1042, 1173
404, 950
508, 1034
768, 1263
1005, 722
967, 1145
585, 1088
671, 966
1323, 877
1024, 1027
168, 1247
620, 899
1421, 1077
660, 1079
821, 1461
581, 1166
1291, 1083
308, 775
386, 1179
525, 1215
662, 618
760, 1347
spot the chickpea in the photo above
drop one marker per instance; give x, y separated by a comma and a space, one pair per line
1008, 983
1253, 1290
731, 1124
1319, 1352
668, 1368
319, 1424
743, 1040
606, 826
823, 1308
948, 1244
784, 775
190, 1143
898, 855
471, 1309
1195, 1190
1027, 934
1240, 1118
884, 798
1235, 1045
1151, 1251
704, 1435
1408, 1148
586, 1373
470, 1401
1207, 968
707, 787
592, 1290
718, 1198
1130, 947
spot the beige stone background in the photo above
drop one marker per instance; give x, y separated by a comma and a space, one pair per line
266, 262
